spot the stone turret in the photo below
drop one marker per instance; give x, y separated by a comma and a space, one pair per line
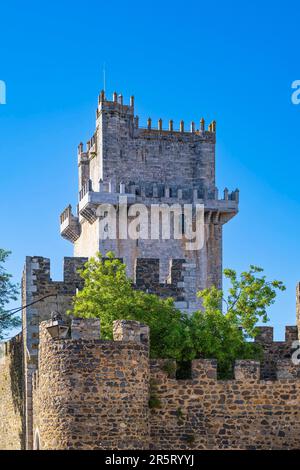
102, 388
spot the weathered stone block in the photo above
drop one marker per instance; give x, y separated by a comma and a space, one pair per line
132, 331
247, 370
85, 328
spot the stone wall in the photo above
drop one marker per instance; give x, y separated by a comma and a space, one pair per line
41, 295
92, 394
11, 395
46, 294
275, 351
244, 413
137, 156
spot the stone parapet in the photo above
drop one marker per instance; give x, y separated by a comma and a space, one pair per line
91, 393
205, 413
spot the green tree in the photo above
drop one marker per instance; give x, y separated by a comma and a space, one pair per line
8, 292
249, 296
209, 333
108, 294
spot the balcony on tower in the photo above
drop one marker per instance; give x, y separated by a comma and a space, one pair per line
90, 200
69, 225
222, 210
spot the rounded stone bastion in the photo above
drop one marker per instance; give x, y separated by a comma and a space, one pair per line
90, 393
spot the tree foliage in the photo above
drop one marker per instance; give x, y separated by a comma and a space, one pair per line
108, 294
209, 333
8, 292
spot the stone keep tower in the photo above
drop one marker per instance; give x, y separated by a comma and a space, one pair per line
150, 166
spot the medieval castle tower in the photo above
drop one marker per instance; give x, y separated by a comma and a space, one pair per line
150, 165
63, 387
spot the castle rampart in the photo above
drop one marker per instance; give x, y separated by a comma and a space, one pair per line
38, 285
275, 351
244, 413
90, 393
101, 391
40, 297
12, 425
150, 166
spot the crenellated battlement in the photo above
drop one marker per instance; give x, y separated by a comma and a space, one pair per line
81, 371
275, 351
116, 105
128, 331
42, 282
70, 227
266, 335
84, 155
247, 371
148, 191
132, 402
146, 277
7, 347
76, 380
99, 385
170, 132
243, 413
147, 194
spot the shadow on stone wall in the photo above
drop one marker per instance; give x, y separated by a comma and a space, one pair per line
17, 383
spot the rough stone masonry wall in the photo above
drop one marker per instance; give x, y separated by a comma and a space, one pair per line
11, 395
47, 296
93, 394
78, 402
133, 155
275, 351
245, 413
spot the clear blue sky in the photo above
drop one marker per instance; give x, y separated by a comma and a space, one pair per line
229, 61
